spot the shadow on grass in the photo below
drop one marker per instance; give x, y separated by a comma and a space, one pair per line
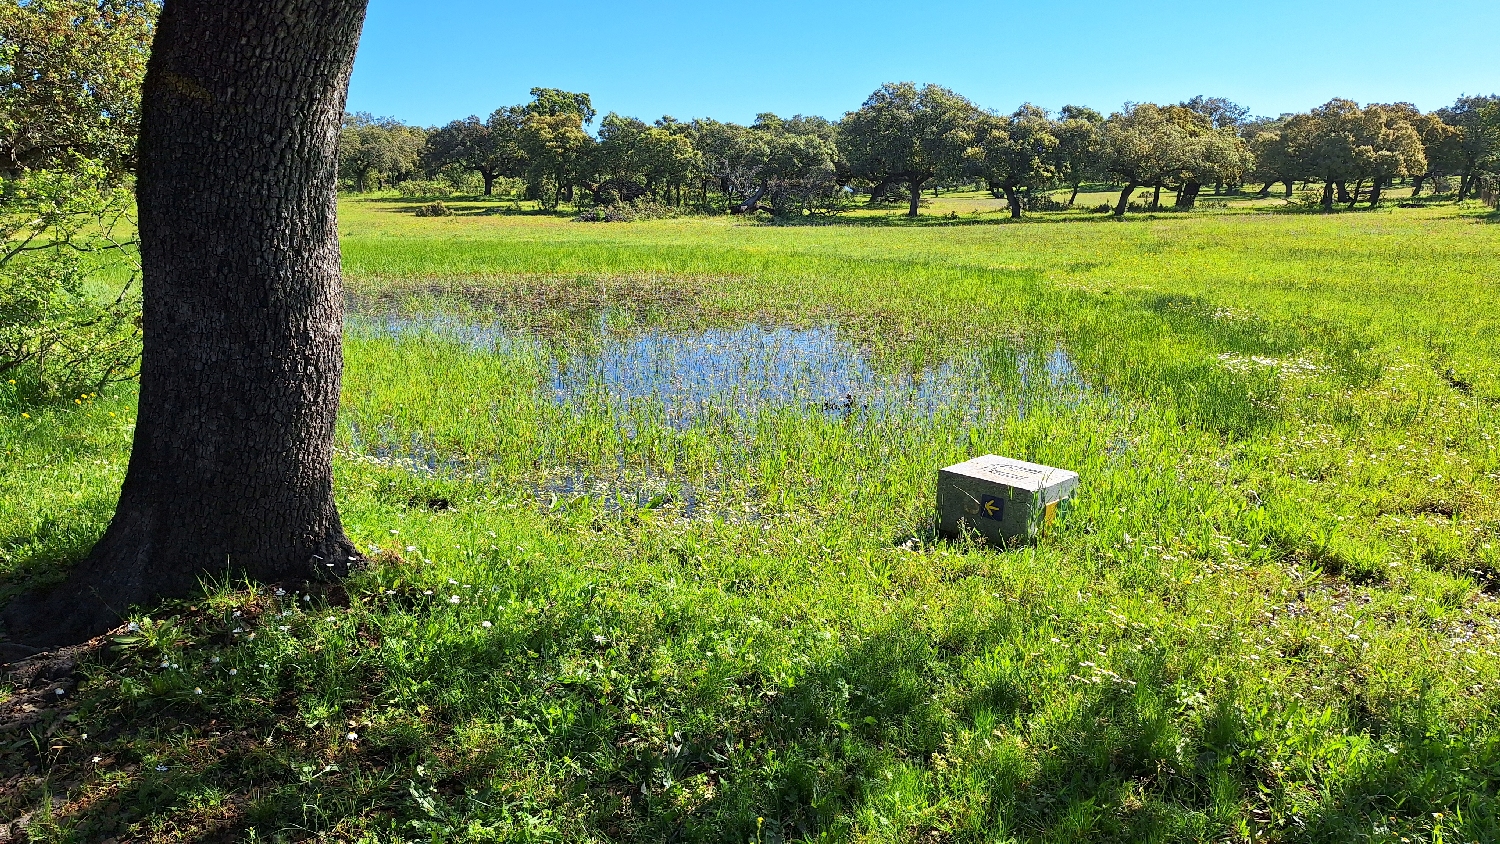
912, 733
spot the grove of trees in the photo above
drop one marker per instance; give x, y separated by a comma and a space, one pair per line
905, 139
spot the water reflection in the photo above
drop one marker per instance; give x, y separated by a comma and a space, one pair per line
683, 379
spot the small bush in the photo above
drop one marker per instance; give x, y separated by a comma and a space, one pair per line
425, 189
629, 212
436, 209
1489, 191
1045, 202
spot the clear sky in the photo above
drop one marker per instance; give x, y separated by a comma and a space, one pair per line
431, 61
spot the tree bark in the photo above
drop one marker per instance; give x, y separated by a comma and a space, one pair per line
1289, 188
1465, 183
1014, 198
1352, 198
1375, 192
489, 182
1416, 186
1124, 204
1328, 196
231, 473
916, 195
1156, 197
1343, 189
1074, 196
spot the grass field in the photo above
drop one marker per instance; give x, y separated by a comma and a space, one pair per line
650, 508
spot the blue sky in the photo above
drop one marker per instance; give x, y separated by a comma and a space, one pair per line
430, 62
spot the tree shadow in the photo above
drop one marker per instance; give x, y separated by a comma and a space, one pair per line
962, 732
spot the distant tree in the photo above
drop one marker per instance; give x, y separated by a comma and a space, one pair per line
1477, 120
1443, 146
1207, 153
1328, 143
555, 102
903, 133
634, 159
1273, 156
1391, 148
1078, 156
383, 145
1222, 113
553, 139
1339, 142
1143, 145
618, 162
669, 160
785, 167
556, 146
490, 148
1013, 153
715, 142
70, 81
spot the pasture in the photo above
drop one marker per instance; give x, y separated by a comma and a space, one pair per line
649, 513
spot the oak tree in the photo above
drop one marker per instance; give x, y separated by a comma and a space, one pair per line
1013, 153
371, 145
903, 133
70, 81
231, 469
491, 148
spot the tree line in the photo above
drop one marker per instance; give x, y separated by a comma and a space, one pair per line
907, 138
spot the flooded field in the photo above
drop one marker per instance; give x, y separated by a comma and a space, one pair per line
732, 386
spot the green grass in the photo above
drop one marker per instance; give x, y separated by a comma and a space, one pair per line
1271, 615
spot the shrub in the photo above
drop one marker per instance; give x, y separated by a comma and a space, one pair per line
58, 338
1045, 202
628, 212
1489, 191
436, 209
425, 189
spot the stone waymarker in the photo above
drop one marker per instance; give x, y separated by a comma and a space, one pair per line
1000, 498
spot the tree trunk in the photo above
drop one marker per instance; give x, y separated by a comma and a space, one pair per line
489, 182
1465, 183
749, 205
878, 190
1375, 192
1359, 187
1124, 203
1416, 186
1289, 188
1014, 198
1266, 191
1188, 196
1156, 196
1074, 196
1343, 189
1328, 196
231, 473
916, 195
